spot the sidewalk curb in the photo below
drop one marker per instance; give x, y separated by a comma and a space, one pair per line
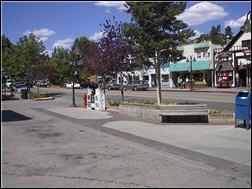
230, 92
43, 99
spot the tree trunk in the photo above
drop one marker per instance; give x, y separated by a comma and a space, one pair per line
103, 82
38, 89
157, 71
121, 76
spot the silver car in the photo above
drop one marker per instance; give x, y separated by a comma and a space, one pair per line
20, 87
111, 86
137, 85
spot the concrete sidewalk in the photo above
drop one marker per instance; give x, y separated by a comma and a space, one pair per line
221, 141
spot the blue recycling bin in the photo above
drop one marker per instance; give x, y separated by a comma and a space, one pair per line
243, 107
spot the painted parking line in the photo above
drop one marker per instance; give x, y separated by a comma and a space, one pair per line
174, 98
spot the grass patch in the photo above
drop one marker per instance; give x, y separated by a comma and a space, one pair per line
37, 95
113, 103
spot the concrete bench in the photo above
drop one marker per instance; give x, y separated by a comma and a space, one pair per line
184, 114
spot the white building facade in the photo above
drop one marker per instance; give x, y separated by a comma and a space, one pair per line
148, 74
202, 67
235, 70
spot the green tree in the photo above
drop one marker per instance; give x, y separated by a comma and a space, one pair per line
228, 32
31, 48
216, 36
60, 64
85, 46
202, 37
156, 32
11, 61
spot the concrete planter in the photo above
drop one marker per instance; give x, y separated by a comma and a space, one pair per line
141, 111
170, 113
221, 118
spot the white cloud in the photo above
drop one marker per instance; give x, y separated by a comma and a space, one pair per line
201, 13
43, 38
63, 43
43, 33
197, 35
96, 36
236, 23
49, 52
27, 32
116, 4
108, 11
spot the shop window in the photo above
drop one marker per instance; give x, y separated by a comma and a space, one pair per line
225, 77
198, 77
198, 54
206, 54
165, 78
146, 78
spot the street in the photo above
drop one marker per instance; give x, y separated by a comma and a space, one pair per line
217, 101
50, 144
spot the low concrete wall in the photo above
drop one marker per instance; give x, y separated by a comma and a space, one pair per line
222, 118
179, 112
151, 112
142, 111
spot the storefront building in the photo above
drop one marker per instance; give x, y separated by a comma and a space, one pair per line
148, 74
201, 55
233, 63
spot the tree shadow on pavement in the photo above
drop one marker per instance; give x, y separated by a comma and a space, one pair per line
9, 115
9, 97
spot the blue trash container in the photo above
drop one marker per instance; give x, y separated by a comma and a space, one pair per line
243, 107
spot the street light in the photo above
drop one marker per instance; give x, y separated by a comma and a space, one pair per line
75, 57
190, 70
247, 24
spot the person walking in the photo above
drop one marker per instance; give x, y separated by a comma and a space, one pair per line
179, 82
187, 82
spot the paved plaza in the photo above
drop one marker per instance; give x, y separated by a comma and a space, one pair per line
40, 139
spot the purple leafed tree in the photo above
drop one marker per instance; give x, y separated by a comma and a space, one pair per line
111, 54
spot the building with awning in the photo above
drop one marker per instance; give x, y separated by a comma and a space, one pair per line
202, 66
185, 66
233, 62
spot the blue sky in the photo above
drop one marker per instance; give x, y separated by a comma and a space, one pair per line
59, 23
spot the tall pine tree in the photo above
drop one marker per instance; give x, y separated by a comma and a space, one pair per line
156, 32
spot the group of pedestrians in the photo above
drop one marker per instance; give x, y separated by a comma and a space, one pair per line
183, 83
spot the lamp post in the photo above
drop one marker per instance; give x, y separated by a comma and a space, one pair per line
190, 70
28, 78
75, 57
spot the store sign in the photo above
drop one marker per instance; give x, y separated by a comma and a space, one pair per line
224, 55
243, 62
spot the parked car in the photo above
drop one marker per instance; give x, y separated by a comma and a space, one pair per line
9, 83
111, 86
137, 85
70, 85
25, 82
20, 87
89, 84
42, 83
